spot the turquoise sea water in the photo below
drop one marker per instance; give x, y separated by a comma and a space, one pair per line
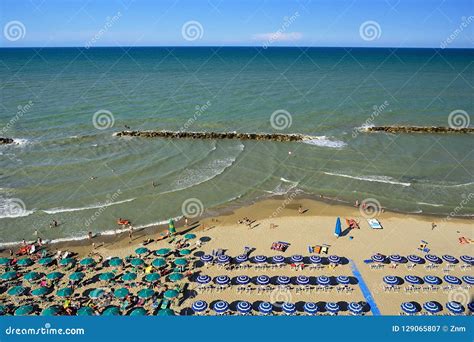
49, 97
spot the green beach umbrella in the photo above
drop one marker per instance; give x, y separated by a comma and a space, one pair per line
175, 276
9, 275
45, 261
65, 292
169, 294
85, 311
67, 261
41, 291
160, 262
163, 251
87, 262
16, 291
190, 236
111, 311
3, 310
152, 277
24, 310
76, 276
5, 261
129, 276
146, 293
180, 262
166, 312
106, 276
138, 312
142, 250
24, 262
136, 262
54, 275
115, 262
184, 252
30, 276
96, 293
54, 310
121, 293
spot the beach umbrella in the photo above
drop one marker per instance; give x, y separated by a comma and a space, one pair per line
390, 280
30, 276
302, 280
171, 227
54, 276
409, 308
244, 307
160, 262
221, 306
283, 280
395, 258
129, 276
452, 280
450, 259
223, 259
166, 312
152, 277
241, 258
85, 311
67, 261
310, 308
263, 280
315, 259
332, 307
41, 291
77, 276
87, 262
184, 252
415, 259
207, 258
45, 261
260, 259
470, 306
203, 279
432, 280
289, 308
65, 292
5, 261
343, 280
170, 294
138, 312
468, 280
190, 236
111, 311
24, 310
413, 279
115, 262
146, 293
265, 308
16, 291
338, 229
136, 262
3, 310
278, 259
199, 306
24, 262
355, 308
432, 307
455, 307
175, 277
142, 250
378, 258
296, 258
323, 280
163, 251
54, 310
181, 262
96, 293
243, 280
334, 259
106, 276
121, 293
467, 259
433, 259
222, 280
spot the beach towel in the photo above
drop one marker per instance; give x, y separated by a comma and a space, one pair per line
374, 223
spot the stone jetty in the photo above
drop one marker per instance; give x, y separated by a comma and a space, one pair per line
419, 129
4, 141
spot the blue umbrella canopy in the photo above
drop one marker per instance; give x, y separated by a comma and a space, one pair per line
432, 307
87, 262
222, 280
175, 277
106, 276
181, 262
54, 276
152, 277
121, 293
67, 261
138, 312
115, 262
9, 275
24, 262
396, 258
302, 280
190, 236
289, 308
111, 311
452, 280
243, 280
221, 306
265, 308
163, 251
433, 259
136, 262
142, 250
409, 307
241, 258
468, 280
96, 293
203, 279
432, 280
467, 259
5, 261
323, 280
343, 280
41, 291
390, 280
260, 258
355, 307
278, 259
16, 291
413, 279
283, 280
169, 294
223, 259
470, 306
129, 276
54, 310
296, 258
455, 307
166, 312
45, 261
24, 310
65, 292
315, 259
244, 307
378, 258
199, 306
450, 259
310, 308
77, 276
160, 262
146, 293
338, 229
30, 276
85, 311
415, 259
334, 259
263, 280
332, 307
184, 251
207, 258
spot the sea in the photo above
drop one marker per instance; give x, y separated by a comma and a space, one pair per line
62, 107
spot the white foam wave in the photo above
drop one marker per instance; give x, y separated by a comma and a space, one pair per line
324, 141
430, 204
378, 179
94, 206
20, 142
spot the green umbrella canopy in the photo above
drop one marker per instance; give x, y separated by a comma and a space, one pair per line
54, 275
175, 276
106, 276
180, 262
129, 276
24, 262
3, 309
146, 293
136, 262
67, 261
169, 294
45, 261
151, 277
111, 311
41, 291
9, 275
121, 293
24, 310
5, 261
96, 293
16, 291
115, 262
184, 252
190, 236
141, 250
76, 276
138, 312
65, 292
163, 251
54, 310
32, 276
160, 262
87, 262
85, 311
166, 312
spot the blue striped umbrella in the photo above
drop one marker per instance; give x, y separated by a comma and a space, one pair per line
355, 308
468, 280
395, 258
199, 306
332, 307
310, 308
432, 307
470, 306
334, 259
244, 307
323, 280
222, 280
296, 258
265, 308
378, 258
283, 280
241, 258
415, 259
315, 259
433, 259
259, 259
223, 259
409, 308
263, 280
432, 280
390, 280
455, 307
343, 280
467, 259
203, 279
452, 280
450, 259
413, 279
207, 258
278, 259
302, 280
289, 308
243, 280
221, 306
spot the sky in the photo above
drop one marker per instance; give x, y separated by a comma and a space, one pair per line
344, 23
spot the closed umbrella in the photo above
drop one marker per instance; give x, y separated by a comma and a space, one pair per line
265, 308
107, 276
146, 293
152, 277
310, 308
160, 262
244, 307
455, 307
243, 280
170, 294
24, 310
432, 307
409, 308
338, 228
332, 307
199, 306
175, 277
87, 262
121, 293
289, 308
129, 276
355, 308
65, 292
221, 306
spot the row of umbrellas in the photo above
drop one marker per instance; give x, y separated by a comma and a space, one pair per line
435, 307
379, 258
280, 280
429, 279
56, 310
277, 259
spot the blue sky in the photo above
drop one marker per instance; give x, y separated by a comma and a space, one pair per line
371, 23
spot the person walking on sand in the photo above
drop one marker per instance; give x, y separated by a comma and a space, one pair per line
186, 222
433, 225
130, 234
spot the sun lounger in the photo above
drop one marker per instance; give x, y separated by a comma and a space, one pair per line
374, 224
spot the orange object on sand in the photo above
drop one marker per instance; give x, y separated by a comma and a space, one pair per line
464, 241
123, 222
